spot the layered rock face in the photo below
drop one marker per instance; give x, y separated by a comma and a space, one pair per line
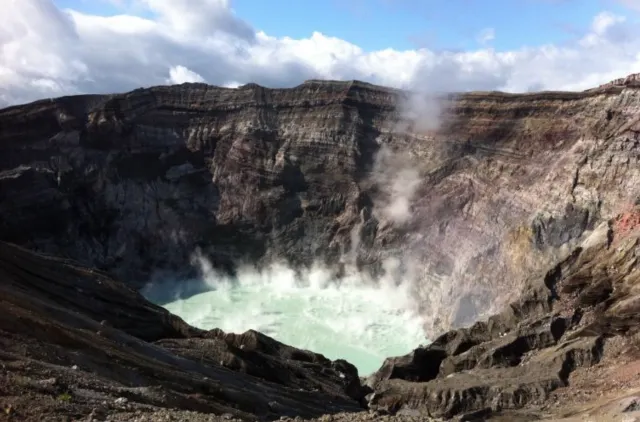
568, 346
336, 172
78, 345
531, 196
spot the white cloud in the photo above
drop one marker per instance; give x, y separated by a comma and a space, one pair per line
607, 28
46, 52
632, 4
196, 18
181, 74
486, 35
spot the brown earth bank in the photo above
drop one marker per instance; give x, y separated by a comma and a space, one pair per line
528, 196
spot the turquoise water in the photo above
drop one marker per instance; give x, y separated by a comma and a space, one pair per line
358, 322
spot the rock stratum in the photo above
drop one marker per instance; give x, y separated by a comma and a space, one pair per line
325, 172
77, 343
530, 196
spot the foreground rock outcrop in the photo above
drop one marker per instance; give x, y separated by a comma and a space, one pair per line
583, 312
333, 172
77, 345
74, 343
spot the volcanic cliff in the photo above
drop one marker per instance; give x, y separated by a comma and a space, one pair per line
134, 183
530, 196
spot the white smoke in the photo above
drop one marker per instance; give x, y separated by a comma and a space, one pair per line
318, 276
397, 179
398, 171
421, 109
399, 175
355, 317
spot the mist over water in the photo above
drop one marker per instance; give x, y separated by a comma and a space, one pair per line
354, 319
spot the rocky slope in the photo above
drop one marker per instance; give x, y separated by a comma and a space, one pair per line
579, 322
74, 343
78, 345
345, 173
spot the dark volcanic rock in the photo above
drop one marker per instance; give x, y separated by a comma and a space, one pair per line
138, 181
531, 196
261, 356
135, 183
74, 343
98, 341
519, 357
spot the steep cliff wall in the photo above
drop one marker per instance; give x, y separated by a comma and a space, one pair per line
134, 183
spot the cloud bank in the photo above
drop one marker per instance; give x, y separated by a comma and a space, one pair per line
47, 52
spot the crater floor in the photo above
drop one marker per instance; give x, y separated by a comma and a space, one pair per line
360, 323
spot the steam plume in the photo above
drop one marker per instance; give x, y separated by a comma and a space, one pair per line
396, 177
397, 181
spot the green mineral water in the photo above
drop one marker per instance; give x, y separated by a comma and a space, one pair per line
361, 322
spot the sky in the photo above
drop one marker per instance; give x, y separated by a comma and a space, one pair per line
50, 48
